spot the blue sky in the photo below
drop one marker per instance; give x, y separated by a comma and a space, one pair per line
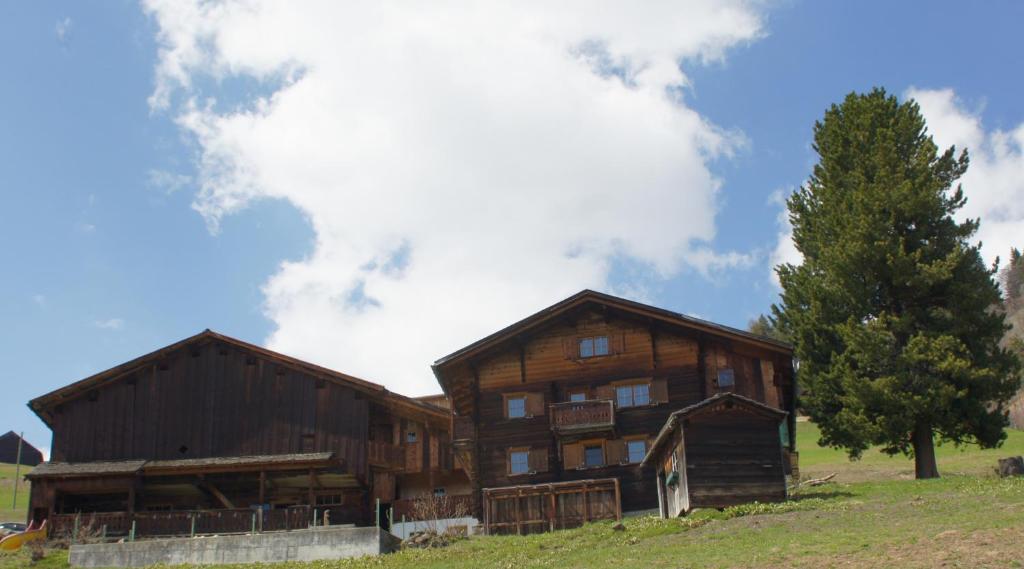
108, 247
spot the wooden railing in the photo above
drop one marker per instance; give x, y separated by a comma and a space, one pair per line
386, 455
577, 416
546, 507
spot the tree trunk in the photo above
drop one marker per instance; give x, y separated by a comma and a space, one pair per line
924, 453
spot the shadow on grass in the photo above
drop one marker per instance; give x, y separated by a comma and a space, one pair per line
820, 495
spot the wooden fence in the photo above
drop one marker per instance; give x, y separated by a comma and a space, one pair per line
546, 507
198, 522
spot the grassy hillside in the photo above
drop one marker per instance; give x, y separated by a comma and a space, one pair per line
17, 514
874, 516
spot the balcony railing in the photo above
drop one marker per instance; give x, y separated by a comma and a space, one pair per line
582, 416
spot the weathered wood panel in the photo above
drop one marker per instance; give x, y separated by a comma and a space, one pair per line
212, 400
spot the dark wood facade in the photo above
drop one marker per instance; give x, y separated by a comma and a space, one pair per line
215, 423
721, 452
30, 455
578, 421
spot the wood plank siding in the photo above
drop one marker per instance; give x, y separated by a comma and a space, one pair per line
540, 359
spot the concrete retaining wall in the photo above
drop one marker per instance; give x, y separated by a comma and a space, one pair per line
300, 545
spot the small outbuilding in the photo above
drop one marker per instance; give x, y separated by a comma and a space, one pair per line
723, 451
30, 455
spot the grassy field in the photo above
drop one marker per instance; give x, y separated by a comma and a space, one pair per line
873, 516
16, 514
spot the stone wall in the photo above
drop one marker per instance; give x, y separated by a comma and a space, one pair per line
300, 545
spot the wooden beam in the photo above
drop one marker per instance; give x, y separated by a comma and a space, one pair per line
205, 484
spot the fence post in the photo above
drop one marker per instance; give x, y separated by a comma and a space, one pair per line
131, 535
253, 524
192, 529
376, 513
74, 532
405, 531
103, 532
314, 517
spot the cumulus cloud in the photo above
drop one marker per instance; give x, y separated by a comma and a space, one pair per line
994, 183
109, 324
461, 165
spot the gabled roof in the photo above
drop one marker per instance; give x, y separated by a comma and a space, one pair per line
591, 296
43, 405
731, 398
180, 466
604, 301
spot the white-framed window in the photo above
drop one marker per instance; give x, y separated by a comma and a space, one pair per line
593, 455
515, 407
578, 396
636, 450
519, 462
633, 395
592, 347
438, 492
411, 437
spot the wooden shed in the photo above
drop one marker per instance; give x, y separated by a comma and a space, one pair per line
723, 451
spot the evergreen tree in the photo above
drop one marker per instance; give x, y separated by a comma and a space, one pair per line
765, 326
890, 311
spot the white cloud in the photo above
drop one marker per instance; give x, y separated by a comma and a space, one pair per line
109, 324
994, 183
63, 29
785, 250
167, 182
462, 165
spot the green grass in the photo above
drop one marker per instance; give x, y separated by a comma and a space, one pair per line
871, 517
18, 513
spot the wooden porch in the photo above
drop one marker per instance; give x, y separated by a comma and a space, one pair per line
538, 508
582, 416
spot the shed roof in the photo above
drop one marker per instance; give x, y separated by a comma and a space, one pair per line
711, 402
179, 466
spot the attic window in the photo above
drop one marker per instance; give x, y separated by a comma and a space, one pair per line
726, 379
593, 347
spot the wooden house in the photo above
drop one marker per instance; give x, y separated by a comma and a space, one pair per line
553, 415
9, 450
723, 451
221, 434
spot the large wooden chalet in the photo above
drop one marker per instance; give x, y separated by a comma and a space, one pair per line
554, 414
213, 434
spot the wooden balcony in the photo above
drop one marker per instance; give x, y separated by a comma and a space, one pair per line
385, 455
582, 416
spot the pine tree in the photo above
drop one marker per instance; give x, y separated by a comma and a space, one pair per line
890, 311
765, 326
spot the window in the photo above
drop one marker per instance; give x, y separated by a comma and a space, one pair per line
578, 396
726, 379
410, 437
636, 450
593, 456
633, 395
330, 500
438, 492
596, 346
516, 407
519, 462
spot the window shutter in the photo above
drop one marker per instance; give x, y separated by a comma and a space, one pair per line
572, 455
615, 451
535, 404
604, 392
539, 459
659, 391
617, 342
570, 348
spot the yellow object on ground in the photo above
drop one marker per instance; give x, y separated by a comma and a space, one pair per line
14, 541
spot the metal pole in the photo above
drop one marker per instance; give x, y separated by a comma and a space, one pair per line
131, 535
17, 471
192, 531
253, 523
376, 512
